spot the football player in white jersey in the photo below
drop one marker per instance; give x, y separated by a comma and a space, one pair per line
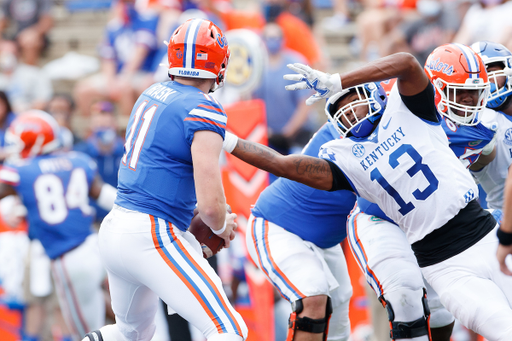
378, 244
498, 61
171, 161
406, 166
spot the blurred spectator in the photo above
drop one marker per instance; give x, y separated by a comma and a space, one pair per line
6, 117
31, 20
486, 20
104, 145
61, 107
340, 18
298, 36
27, 86
287, 111
377, 20
127, 60
435, 26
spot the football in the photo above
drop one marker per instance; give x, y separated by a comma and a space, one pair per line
210, 242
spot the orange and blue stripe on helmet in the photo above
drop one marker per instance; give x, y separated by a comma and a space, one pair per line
471, 60
190, 43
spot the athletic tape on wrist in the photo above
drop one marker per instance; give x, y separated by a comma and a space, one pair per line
221, 231
505, 238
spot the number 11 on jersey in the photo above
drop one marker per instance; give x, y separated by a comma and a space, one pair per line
146, 119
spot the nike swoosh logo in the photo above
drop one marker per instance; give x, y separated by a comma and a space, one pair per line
387, 124
358, 128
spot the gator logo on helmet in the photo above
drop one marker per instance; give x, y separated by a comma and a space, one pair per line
222, 41
435, 65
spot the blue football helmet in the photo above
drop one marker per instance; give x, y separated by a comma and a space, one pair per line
371, 95
492, 53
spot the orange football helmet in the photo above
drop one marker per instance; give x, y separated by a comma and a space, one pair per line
32, 133
198, 49
452, 68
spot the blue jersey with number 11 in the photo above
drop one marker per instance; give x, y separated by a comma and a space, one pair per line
156, 173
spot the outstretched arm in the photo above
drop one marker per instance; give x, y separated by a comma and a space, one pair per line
411, 78
505, 230
311, 171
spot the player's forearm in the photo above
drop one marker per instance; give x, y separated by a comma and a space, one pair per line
482, 161
308, 170
401, 65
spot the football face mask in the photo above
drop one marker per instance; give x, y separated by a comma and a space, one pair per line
359, 115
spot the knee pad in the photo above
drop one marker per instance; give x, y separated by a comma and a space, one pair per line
307, 324
411, 329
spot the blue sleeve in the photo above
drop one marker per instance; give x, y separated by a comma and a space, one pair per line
207, 114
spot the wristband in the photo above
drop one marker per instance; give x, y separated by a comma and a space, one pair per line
505, 238
230, 141
221, 231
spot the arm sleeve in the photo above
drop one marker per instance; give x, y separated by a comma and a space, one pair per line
207, 114
339, 180
422, 104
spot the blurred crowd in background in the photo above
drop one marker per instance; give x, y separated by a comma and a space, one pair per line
91, 94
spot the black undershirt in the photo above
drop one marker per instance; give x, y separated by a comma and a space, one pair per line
469, 226
339, 180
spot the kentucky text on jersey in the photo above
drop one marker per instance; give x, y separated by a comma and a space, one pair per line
386, 145
159, 92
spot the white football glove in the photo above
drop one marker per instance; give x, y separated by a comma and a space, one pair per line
490, 146
323, 83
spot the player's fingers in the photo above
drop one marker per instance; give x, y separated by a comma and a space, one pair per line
297, 86
293, 77
232, 235
313, 99
299, 68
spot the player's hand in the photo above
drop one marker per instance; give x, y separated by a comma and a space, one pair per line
490, 146
229, 234
501, 254
323, 83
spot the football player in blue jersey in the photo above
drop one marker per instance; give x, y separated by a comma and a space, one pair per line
55, 187
406, 166
171, 162
295, 235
